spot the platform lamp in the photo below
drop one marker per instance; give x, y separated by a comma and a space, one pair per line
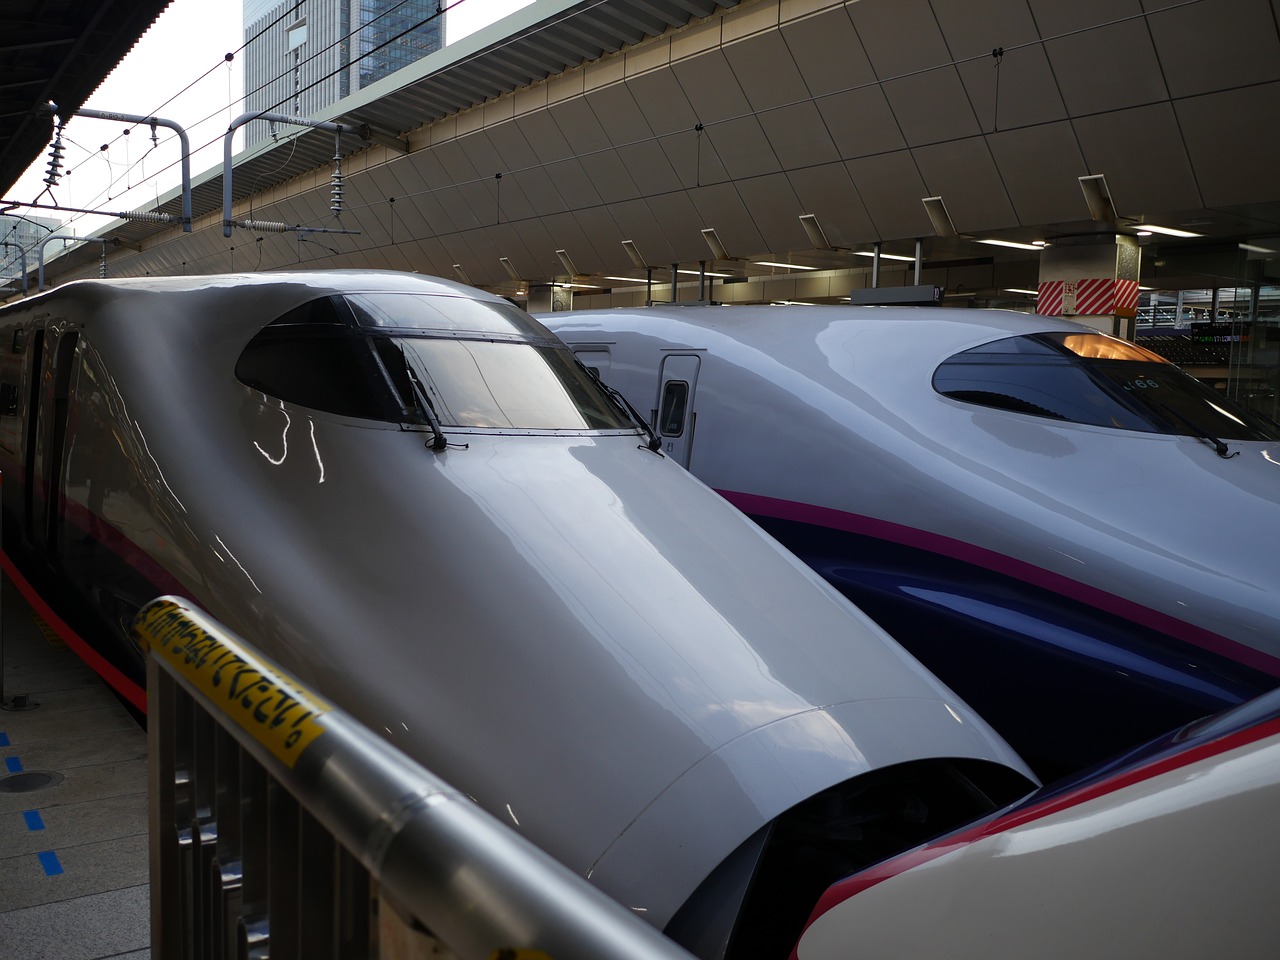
510, 268
1098, 197
633, 253
462, 274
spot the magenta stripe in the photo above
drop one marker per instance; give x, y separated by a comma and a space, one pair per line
828, 518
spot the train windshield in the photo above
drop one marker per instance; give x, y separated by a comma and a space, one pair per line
1099, 380
412, 358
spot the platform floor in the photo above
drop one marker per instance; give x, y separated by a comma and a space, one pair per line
73, 852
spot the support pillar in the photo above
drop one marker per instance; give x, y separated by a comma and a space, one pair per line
1092, 280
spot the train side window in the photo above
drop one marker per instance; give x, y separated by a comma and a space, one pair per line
675, 397
9, 396
312, 357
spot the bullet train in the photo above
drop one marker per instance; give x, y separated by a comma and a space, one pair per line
408, 494
1070, 532
1171, 853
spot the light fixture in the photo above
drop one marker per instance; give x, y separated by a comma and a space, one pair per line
704, 273
1254, 248
817, 236
1029, 293
1098, 197
625, 279
507, 266
1169, 231
1013, 244
634, 254
1143, 233
784, 266
883, 256
713, 241
462, 274
567, 263
938, 216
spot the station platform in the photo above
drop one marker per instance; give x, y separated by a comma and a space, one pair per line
73, 803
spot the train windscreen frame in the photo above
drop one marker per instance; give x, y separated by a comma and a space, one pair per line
1094, 379
482, 365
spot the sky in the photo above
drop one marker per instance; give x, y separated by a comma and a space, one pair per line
176, 72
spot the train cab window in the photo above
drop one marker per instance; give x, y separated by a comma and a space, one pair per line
313, 357
1098, 380
675, 397
409, 358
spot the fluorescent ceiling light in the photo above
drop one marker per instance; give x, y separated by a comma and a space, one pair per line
1253, 248
709, 273
1169, 231
718, 249
784, 266
1011, 243
627, 279
1030, 293
884, 256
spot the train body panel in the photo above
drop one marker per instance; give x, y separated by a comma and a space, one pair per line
1171, 854
988, 540
557, 620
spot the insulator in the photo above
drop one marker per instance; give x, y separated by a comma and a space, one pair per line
55, 160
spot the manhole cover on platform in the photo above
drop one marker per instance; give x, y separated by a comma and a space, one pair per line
29, 780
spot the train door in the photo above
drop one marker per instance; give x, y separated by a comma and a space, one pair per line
31, 431
675, 418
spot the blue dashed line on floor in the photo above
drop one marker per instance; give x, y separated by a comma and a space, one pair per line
13, 764
34, 820
49, 860
4, 739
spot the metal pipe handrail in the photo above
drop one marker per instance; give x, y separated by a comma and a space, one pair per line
476, 884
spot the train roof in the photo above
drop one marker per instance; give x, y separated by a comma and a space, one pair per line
795, 336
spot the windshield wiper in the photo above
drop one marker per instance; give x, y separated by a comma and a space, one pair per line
654, 443
1219, 447
438, 442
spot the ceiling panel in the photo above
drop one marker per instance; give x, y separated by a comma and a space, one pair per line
826, 50
681, 225
1040, 167
891, 189
798, 136
1054, 18
1026, 87
618, 113
828, 193
743, 148
1158, 176
650, 168
861, 123
965, 175
481, 154
514, 151
764, 69
975, 29
691, 156
637, 223
577, 121
1245, 172
1206, 47
573, 183
1108, 68
894, 51
932, 106
530, 193
567, 234
457, 165
609, 175
542, 248
662, 101
544, 136
775, 210
508, 243
721, 207
605, 237
710, 87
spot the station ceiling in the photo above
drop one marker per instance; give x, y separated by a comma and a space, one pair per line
654, 120
58, 50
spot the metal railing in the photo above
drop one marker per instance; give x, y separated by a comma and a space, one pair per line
282, 828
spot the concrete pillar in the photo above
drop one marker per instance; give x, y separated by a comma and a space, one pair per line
1092, 280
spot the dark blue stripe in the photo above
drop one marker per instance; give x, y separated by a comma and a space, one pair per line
13, 764
49, 860
34, 822
4, 739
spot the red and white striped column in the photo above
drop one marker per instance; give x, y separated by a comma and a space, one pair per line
1093, 280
